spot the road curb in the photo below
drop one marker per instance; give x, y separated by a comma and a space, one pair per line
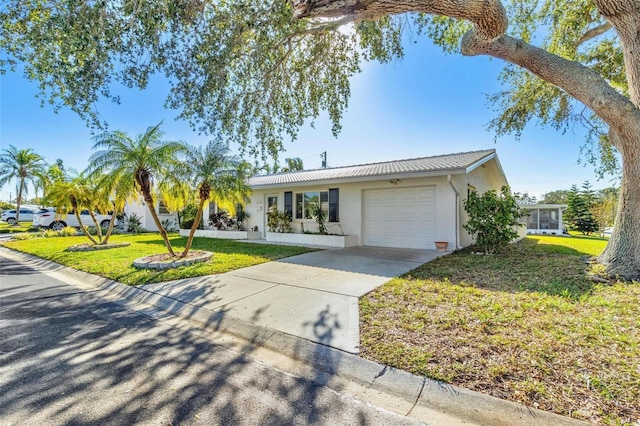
421, 392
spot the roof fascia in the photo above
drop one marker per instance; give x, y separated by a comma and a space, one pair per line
480, 162
316, 182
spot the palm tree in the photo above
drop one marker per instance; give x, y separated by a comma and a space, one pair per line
293, 164
78, 193
217, 176
136, 163
25, 166
117, 191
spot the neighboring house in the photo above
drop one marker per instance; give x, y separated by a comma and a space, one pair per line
139, 208
544, 218
405, 203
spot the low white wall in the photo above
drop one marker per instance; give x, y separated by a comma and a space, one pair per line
544, 231
223, 235
313, 239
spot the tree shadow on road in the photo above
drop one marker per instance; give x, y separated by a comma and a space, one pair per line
76, 359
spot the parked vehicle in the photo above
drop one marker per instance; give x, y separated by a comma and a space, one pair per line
48, 218
26, 215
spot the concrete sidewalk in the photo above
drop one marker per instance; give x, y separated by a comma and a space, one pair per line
313, 295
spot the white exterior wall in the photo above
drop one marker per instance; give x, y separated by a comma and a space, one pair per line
137, 208
351, 206
141, 210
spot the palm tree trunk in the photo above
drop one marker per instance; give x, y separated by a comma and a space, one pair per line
148, 198
19, 201
112, 221
98, 229
82, 227
196, 223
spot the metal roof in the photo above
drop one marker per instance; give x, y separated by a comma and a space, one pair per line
462, 162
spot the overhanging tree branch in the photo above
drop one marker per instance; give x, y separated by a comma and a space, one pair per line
593, 33
577, 80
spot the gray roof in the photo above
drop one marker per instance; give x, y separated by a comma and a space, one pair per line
461, 162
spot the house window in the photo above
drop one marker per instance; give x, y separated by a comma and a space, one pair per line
549, 219
162, 208
288, 203
334, 211
532, 219
307, 202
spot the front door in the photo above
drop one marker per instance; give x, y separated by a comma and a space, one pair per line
272, 204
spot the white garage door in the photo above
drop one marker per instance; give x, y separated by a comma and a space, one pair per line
400, 217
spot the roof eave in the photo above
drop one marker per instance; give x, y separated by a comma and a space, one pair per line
491, 156
435, 173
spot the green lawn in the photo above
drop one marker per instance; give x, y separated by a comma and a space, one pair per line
524, 325
5, 228
116, 263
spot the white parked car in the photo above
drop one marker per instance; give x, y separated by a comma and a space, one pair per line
47, 218
26, 215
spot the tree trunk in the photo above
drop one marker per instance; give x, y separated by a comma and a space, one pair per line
82, 227
621, 257
98, 229
196, 223
148, 198
110, 228
19, 201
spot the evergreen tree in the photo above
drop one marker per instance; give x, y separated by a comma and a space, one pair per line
578, 215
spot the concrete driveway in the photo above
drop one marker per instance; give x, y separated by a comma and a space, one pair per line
313, 296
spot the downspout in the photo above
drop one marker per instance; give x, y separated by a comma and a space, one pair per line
457, 207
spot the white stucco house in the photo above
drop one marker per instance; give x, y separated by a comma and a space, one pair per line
408, 203
544, 218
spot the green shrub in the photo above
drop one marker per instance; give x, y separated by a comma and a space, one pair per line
187, 216
133, 223
24, 236
492, 218
169, 225
187, 223
320, 215
278, 221
50, 233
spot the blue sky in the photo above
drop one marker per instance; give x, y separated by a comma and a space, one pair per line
425, 104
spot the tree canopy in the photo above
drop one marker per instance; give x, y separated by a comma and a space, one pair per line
257, 71
144, 165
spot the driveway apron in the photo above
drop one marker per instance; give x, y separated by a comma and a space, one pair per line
313, 295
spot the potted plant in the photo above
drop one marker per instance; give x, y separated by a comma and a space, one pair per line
442, 245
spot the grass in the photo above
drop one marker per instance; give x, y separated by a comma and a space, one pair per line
116, 263
5, 228
524, 326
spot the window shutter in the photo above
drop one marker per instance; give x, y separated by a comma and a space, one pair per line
288, 203
334, 210
299, 206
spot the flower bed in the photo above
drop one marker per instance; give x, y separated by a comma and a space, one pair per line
166, 261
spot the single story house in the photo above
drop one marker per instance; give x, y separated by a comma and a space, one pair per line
544, 218
408, 203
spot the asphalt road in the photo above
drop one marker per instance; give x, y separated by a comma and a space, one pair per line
69, 357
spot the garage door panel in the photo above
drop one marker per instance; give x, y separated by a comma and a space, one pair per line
400, 217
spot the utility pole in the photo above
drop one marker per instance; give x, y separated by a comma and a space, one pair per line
324, 159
